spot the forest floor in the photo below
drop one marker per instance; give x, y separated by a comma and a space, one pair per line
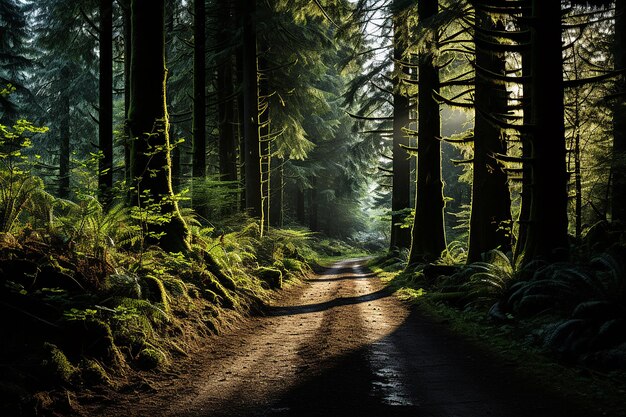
341, 344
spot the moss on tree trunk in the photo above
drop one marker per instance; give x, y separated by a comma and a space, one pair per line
149, 126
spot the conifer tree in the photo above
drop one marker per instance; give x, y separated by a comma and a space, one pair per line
428, 233
149, 126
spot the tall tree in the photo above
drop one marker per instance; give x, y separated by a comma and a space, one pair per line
149, 125
400, 195
491, 203
618, 174
227, 118
252, 159
13, 60
199, 89
64, 135
105, 108
67, 85
547, 228
428, 233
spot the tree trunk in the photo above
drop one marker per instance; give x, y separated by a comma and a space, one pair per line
547, 229
400, 195
105, 111
525, 195
300, 213
225, 105
428, 225
64, 149
313, 206
151, 164
199, 87
277, 194
251, 111
618, 171
265, 157
126, 22
239, 114
490, 219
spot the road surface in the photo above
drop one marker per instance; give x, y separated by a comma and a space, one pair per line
341, 345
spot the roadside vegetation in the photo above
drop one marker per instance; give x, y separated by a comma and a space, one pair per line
562, 324
88, 297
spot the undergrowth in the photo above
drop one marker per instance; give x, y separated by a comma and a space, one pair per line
87, 298
566, 322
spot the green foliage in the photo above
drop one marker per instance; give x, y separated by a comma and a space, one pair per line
271, 276
454, 254
92, 373
490, 279
56, 364
151, 358
18, 187
212, 197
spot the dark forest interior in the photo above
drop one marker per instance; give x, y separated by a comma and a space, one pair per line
178, 175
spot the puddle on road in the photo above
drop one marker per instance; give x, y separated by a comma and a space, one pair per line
388, 384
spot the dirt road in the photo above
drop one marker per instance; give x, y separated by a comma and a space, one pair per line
341, 345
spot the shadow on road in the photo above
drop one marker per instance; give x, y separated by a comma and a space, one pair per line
436, 373
314, 308
346, 277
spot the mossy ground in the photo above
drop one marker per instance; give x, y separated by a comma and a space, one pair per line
80, 321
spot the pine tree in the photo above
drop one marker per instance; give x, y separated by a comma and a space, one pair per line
149, 126
490, 220
618, 174
428, 233
400, 198
548, 223
13, 60
105, 108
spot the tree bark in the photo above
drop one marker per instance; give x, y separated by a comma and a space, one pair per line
400, 195
265, 158
250, 110
525, 195
126, 23
151, 164
225, 93
428, 233
618, 171
199, 87
300, 212
277, 193
105, 111
64, 149
313, 206
490, 219
547, 228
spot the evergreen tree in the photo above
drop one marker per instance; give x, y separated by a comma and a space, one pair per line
491, 204
67, 85
199, 89
618, 174
428, 233
105, 108
13, 60
149, 127
401, 186
548, 224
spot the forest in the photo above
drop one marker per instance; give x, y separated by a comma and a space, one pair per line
345, 185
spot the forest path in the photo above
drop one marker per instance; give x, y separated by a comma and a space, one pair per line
340, 345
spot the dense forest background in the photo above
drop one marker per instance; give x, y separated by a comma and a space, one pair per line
332, 96
161, 154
